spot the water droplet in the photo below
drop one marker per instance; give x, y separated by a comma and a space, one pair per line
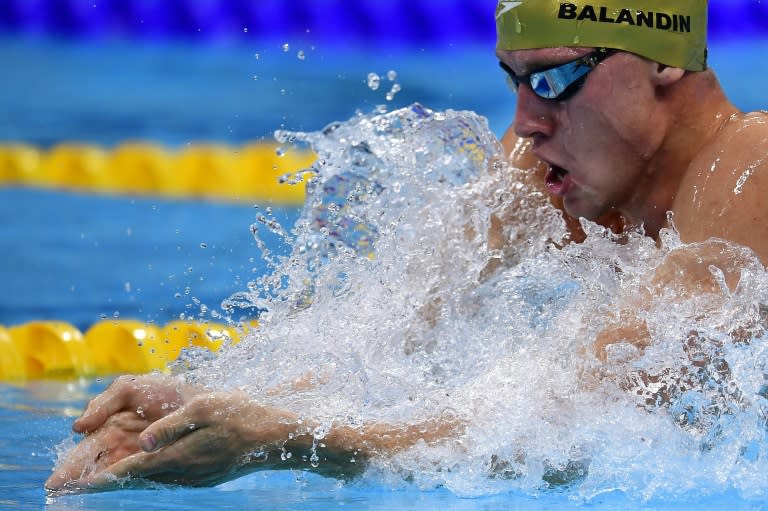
373, 81
245, 30
257, 56
392, 75
301, 55
394, 90
286, 47
203, 245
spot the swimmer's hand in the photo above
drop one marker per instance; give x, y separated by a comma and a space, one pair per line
113, 421
151, 397
114, 441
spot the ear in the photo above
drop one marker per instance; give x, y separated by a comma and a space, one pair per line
664, 75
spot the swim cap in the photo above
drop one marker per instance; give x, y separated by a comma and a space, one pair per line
671, 32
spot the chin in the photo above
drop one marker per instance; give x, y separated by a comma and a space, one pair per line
579, 209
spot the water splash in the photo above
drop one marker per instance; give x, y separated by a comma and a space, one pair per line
395, 305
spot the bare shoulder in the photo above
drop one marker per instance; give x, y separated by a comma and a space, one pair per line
743, 138
723, 193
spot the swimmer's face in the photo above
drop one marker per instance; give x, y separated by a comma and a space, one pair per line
598, 141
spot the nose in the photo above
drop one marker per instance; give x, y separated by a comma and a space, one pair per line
534, 115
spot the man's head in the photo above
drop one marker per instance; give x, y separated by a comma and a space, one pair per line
600, 97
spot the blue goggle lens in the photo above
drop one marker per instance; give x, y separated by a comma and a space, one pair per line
558, 82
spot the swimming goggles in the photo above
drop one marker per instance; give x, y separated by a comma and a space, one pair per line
559, 83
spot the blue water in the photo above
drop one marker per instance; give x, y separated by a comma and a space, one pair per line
80, 258
45, 409
177, 94
142, 258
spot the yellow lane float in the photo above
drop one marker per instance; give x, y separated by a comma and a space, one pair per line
12, 365
57, 350
253, 172
52, 349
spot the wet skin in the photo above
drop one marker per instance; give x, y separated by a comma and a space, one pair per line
642, 139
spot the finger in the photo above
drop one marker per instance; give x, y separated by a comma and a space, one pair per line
116, 439
73, 467
165, 466
116, 398
169, 429
122, 473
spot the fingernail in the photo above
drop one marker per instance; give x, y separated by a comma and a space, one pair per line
148, 442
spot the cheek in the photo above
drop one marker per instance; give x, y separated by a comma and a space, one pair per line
612, 127
628, 108
591, 128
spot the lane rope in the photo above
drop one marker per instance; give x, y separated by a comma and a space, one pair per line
253, 172
410, 22
56, 350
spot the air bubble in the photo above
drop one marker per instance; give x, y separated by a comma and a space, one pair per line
374, 81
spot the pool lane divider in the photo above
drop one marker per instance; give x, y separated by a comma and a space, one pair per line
256, 172
381, 22
56, 350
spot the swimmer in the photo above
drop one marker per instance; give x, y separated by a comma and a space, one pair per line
619, 120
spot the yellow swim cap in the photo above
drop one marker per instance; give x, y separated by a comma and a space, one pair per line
671, 32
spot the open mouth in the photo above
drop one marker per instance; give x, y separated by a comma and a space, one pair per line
557, 180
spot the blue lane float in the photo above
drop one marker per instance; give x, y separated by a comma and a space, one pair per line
369, 20
391, 22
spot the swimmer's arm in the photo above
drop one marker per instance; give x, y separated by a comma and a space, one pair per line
219, 436
711, 268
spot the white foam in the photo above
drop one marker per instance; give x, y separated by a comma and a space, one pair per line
386, 302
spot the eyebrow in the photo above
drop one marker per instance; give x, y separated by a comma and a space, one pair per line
508, 70
536, 69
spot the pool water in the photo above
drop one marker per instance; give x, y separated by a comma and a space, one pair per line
46, 410
138, 254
